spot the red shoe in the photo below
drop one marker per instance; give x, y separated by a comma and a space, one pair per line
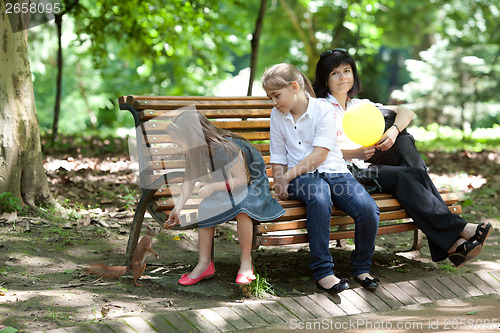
245, 279
185, 280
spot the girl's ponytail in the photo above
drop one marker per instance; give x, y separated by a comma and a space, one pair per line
308, 85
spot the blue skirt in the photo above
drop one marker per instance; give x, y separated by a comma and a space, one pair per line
255, 199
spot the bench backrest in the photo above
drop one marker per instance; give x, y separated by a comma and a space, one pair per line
246, 116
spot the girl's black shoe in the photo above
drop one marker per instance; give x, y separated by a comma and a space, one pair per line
367, 283
483, 230
465, 252
336, 288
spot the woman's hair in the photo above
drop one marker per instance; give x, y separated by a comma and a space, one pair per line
280, 76
203, 138
328, 61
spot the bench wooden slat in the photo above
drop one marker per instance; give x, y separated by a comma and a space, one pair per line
132, 98
164, 151
152, 139
265, 227
449, 199
335, 235
295, 210
212, 114
167, 101
161, 126
237, 125
200, 105
172, 164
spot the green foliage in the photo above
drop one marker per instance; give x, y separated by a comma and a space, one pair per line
448, 139
9, 203
173, 46
111, 48
130, 199
453, 85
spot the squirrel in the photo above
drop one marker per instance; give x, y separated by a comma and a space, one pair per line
137, 264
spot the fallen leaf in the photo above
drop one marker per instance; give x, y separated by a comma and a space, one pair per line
104, 311
9, 217
177, 238
104, 224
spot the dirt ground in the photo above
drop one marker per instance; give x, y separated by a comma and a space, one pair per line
42, 261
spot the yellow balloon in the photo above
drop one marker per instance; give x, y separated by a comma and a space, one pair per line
363, 123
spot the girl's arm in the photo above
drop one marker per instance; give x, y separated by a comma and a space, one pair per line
237, 177
403, 119
280, 187
186, 190
283, 177
310, 163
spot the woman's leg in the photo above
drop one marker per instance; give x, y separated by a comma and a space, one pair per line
314, 192
402, 153
405, 148
467, 233
352, 198
419, 197
245, 235
205, 241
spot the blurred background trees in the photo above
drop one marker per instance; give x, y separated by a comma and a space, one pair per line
441, 57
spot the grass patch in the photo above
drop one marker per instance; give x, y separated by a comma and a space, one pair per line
9, 203
448, 268
261, 287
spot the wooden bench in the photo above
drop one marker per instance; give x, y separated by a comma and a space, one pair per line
249, 117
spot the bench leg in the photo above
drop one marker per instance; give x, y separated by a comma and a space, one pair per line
257, 238
135, 231
418, 237
341, 242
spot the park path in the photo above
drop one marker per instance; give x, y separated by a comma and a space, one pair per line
288, 312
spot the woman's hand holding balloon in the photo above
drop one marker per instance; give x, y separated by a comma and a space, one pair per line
388, 139
364, 153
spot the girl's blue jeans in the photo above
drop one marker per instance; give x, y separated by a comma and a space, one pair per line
319, 191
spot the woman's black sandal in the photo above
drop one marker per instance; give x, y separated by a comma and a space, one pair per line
336, 288
482, 232
465, 252
367, 283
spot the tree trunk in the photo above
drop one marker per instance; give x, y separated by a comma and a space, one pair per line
21, 168
57, 104
81, 85
255, 44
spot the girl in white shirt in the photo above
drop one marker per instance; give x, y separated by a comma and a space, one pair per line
308, 166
